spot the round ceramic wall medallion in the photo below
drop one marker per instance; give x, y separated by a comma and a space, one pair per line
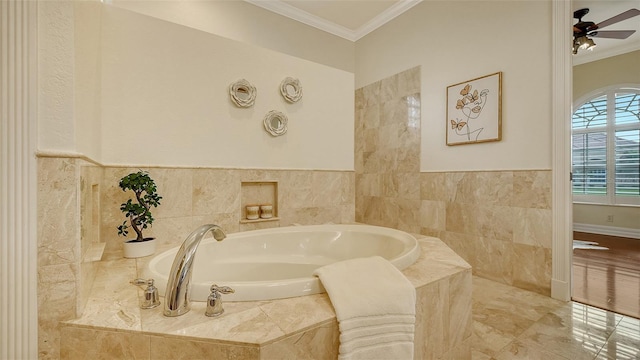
275, 123
242, 93
291, 89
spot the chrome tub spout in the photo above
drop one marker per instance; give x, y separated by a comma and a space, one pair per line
177, 299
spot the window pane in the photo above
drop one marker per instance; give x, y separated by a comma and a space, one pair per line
591, 114
627, 162
589, 157
627, 108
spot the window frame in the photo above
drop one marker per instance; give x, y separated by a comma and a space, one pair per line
610, 128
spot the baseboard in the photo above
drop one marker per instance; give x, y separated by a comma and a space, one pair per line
560, 290
607, 230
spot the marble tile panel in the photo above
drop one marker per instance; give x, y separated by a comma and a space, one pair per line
58, 211
371, 94
387, 137
532, 189
435, 253
311, 215
389, 185
566, 334
532, 227
326, 188
84, 343
300, 313
461, 352
359, 98
433, 215
174, 348
295, 190
493, 259
624, 342
229, 222
370, 117
519, 351
348, 187
170, 231
460, 316
175, 187
407, 160
58, 287
462, 244
263, 225
532, 268
320, 342
527, 304
371, 162
388, 88
408, 215
216, 191
432, 320
241, 323
488, 340
433, 186
489, 221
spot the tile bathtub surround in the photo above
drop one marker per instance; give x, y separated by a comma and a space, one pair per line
59, 250
192, 197
499, 221
304, 327
387, 152
78, 211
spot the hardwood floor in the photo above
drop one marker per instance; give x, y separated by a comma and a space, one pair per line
608, 279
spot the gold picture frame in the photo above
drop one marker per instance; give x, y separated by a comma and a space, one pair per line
474, 110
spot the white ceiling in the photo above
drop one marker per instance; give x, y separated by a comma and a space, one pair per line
353, 19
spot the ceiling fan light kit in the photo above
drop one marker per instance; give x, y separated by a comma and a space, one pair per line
584, 31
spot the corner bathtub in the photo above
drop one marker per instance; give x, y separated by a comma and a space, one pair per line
279, 262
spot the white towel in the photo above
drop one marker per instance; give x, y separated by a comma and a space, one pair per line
375, 308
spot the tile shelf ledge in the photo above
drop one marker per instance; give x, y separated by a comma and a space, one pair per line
247, 221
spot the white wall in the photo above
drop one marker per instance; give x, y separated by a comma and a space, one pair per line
56, 124
244, 22
455, 41
165, 101
87, 77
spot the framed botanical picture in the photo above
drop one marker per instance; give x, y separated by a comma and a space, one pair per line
474, 110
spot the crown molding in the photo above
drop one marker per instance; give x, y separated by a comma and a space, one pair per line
304, 17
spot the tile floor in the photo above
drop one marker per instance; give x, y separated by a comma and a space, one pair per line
510, 323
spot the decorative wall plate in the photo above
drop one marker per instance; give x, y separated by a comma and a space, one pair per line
275, 123
291, 89
242, 93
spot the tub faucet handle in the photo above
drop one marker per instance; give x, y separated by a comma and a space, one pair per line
151, 297
214, 301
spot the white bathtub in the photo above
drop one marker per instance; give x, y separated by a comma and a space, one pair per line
279, 263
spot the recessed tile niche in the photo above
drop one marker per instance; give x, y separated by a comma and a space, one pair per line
258, 193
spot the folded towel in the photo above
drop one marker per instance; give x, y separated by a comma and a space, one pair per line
375, 308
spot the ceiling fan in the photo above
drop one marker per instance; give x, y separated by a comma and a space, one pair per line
583, 31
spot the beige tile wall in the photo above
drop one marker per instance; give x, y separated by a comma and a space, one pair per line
193, 197
387, 152
499, 221
78, 212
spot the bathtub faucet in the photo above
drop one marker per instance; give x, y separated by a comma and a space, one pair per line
177, 300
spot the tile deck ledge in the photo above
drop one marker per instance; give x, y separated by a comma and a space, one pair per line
113, 305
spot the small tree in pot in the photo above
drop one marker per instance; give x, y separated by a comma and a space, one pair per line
138, 212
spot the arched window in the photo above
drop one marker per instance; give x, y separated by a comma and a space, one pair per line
606, 147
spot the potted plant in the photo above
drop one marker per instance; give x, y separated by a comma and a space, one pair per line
138, 213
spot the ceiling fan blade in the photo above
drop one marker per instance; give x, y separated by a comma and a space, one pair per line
612, 34
620, 17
